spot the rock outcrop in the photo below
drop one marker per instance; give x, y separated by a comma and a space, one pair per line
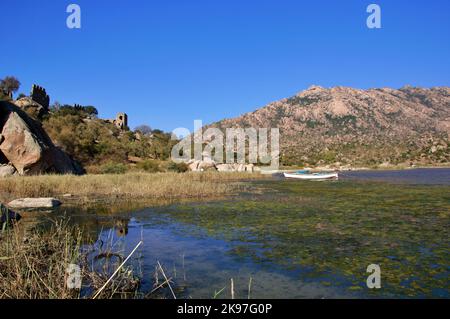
25, 145
32, 108
208, 164
236, 168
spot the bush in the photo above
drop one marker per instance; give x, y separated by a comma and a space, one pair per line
178, 167
113, 168
92, 141
149, 166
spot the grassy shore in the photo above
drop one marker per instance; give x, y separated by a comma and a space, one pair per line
130, 185
36, 265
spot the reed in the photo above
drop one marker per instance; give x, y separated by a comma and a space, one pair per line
129, 185
34, 266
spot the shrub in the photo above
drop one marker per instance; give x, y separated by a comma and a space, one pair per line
149, 166
178, 167
113, 168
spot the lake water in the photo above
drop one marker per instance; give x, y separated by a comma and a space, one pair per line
294, 239
423, 176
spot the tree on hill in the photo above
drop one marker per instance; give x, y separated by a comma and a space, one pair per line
9, 85
144, 129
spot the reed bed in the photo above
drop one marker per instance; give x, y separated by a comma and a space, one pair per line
129, 185
35, 265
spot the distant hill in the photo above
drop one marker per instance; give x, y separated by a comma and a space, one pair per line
346, 126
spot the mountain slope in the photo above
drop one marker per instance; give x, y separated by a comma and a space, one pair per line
346, 126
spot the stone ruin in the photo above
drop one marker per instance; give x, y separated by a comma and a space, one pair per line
39, 95
121, 121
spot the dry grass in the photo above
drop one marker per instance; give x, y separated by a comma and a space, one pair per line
34, 267
130, 185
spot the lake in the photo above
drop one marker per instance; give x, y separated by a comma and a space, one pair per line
292, 239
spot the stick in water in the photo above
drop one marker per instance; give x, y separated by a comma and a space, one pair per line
232, 288
167, 280
117, 270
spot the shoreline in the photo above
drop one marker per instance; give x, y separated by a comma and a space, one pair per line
362, 168
131, 186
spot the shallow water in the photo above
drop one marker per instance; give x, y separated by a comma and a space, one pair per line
295, 239
420, 176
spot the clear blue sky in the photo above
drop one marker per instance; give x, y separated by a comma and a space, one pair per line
167, 62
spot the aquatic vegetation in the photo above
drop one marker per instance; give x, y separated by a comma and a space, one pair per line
339, 229
319, 235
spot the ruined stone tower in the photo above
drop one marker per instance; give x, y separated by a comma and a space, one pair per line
39, 95
121, 121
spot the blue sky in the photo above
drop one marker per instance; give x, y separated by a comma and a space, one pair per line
166, 63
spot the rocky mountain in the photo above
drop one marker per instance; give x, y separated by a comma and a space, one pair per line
25, 147
345, 126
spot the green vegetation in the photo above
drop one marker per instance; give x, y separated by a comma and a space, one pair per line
338, 228
113, 168
9, 85
96, 143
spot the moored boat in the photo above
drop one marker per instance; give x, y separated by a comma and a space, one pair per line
312, 176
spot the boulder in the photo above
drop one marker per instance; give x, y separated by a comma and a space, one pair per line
28, 148
193, 165
250, 168
32, 108
225, 168
35, 203
207, 164
7, 170
204, 165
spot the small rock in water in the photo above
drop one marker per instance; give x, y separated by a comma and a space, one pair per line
35, 203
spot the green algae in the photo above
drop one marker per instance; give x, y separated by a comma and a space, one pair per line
337, 229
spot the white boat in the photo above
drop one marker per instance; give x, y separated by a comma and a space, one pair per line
312, 176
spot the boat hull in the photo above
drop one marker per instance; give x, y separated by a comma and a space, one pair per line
312, 176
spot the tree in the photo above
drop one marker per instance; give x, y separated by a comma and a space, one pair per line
143, 129
9, 84
91, 110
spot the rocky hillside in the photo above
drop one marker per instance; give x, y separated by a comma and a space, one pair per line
345, 126
25, 147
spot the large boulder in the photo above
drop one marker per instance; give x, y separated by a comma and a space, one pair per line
32, 108
199, 166
35, 203
27, 147
225, 168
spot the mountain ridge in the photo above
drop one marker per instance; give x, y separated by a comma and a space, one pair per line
348, 126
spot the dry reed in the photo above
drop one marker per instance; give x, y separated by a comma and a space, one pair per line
130, 185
